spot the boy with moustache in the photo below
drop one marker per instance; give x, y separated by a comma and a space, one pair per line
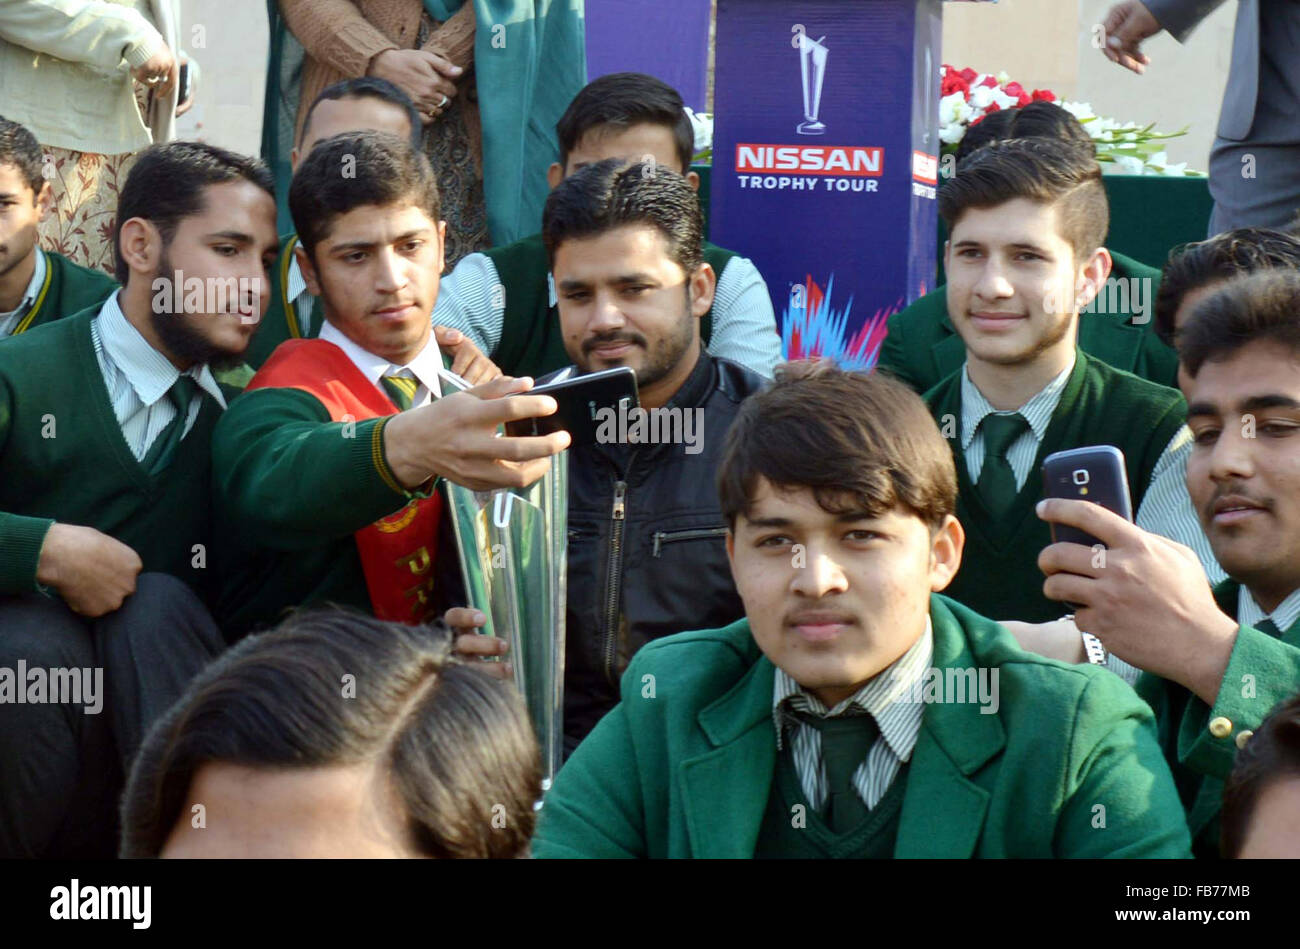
796, 731
1215, 661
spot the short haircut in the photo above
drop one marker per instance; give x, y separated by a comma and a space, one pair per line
860, 442
354, 169
1273, 753
621, 100
1230, 254
612, 194
1264, 305
368, 87
18, 147
1042, 170
1035, 120
166, 184
455, 740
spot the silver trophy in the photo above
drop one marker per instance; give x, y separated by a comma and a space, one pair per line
812, 70
513, 546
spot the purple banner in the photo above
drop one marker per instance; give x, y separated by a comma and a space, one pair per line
668, 39
825, 161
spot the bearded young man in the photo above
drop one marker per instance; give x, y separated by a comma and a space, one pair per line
106, 482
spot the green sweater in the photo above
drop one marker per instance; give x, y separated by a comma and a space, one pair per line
921, 347
67, 289
1262, 671
531, 341
63, 458
684, 769
292, 487
999, 573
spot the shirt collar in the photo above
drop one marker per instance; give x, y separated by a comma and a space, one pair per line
150, 373
892, 686
33, 287
1037, 411
295, 285
425, 366
1250, 613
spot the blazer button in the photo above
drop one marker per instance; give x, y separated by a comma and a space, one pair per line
1243, 737
1220, 727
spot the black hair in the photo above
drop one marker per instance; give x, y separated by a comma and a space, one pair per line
1042, 170
337, 688
368, 87
18, 147
1230, 254
166, 184
621, 100
1272, 753
1264, 305
353, 169
1034, 120
611, 194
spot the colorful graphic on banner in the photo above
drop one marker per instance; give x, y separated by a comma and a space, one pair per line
825, 162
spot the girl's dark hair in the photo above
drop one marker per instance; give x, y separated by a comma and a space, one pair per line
334, 687
860, 442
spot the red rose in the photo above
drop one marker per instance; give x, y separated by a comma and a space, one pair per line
1043, 95
993, 107
976, 121
968, 74
1014, 89
1023, 99
954, 83
990, 81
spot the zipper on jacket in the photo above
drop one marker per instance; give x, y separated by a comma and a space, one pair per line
613, 577
667, 537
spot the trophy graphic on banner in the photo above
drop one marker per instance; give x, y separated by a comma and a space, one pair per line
812, 63
513, 546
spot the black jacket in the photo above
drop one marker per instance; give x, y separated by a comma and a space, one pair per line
646, 544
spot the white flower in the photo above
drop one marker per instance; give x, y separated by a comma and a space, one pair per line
1080, 110
1003, 78
702, 123
981, 98
1003, 100
1177, 171
1128, 165
952, 108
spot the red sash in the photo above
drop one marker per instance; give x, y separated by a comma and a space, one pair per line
397, 552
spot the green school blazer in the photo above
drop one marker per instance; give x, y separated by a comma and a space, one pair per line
922, 348
1067, 766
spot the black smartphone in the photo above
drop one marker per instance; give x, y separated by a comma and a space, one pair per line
1095, 474
585, 403
183, 93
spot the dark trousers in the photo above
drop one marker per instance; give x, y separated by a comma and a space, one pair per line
62, 765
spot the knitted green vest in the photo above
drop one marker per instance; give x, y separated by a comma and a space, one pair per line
68, 289
531, 342
64, 456
780, 837
999, 575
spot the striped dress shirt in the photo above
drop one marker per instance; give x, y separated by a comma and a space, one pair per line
1250, 613
889, 697
303, 302
138, 378
9, 321
1166, 508
744, 327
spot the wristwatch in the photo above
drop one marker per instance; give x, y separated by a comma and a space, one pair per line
1096, 652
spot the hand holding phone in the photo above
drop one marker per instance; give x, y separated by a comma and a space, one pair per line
584, 401
1094, 473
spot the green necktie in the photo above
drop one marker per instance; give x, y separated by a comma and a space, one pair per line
846, 740
401, 389
997, 483
163, 449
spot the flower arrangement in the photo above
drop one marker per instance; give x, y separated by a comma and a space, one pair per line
966, 97
702, 124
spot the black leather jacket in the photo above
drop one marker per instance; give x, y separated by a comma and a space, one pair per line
647, 556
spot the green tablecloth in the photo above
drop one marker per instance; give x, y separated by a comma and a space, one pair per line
1148, 215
